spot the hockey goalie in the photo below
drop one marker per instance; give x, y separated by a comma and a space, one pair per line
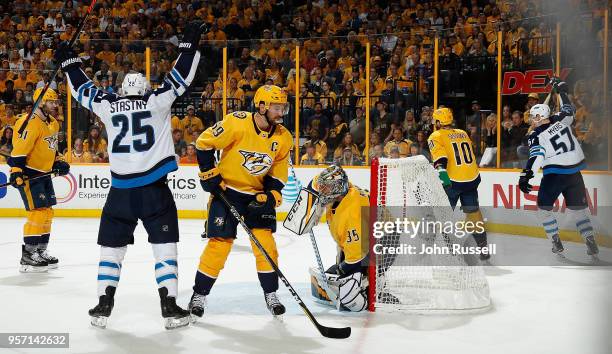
344, 284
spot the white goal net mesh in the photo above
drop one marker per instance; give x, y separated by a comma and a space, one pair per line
409, 189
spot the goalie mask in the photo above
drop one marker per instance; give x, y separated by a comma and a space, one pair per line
135, 84
538, 113
331, 184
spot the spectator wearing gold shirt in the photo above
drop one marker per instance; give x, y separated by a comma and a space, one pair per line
96, 145
311, 157
79, 154
399, 142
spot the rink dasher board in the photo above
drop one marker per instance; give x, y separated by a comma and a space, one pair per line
506, 209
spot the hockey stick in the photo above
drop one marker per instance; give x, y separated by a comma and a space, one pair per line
48, 83
329, 332
552, 62
31, 178
315, 248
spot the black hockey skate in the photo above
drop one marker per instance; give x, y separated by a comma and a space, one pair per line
481, 241
32, 261
557, 247
197, 305
592, 249
174, 316
52, 261
274, 305
100, 313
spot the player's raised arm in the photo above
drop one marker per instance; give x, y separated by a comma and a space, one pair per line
184, 70
82, 88
566, 114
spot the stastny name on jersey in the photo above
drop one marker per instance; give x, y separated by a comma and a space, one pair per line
128, 105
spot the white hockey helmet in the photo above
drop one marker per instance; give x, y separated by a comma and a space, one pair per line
135, 84
539, 112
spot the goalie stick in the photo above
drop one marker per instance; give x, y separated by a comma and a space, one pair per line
315, 248
329, 332
48, 83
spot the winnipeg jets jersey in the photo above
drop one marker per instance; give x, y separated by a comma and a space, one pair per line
557, 145
139, 130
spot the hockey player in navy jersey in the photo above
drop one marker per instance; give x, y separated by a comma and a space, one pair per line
141, 154
554, 148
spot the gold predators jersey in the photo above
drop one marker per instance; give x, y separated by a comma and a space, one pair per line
37, 144
456, 146
348, 223
249, 154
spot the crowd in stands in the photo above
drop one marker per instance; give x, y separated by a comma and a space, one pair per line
261, 36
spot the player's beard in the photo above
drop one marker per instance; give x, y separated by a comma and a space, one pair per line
274, 122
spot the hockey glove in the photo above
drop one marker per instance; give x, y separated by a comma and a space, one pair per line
524, 185
191, 37
211, 181
264, 205
64, 56
559, 86
443, 175
61, 167
16, 177
567, 110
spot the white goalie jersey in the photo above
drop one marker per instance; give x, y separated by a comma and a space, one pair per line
140, 145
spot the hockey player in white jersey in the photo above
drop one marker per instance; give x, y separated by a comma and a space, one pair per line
554, 148
141, 154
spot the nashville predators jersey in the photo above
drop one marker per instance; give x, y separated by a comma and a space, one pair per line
248, 153
453, 148
34, 150
348, 224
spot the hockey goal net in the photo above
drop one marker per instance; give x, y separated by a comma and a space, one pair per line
401, 277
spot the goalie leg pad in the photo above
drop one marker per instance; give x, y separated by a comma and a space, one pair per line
353, 295
318, 290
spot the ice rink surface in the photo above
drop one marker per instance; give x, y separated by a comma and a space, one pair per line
561, 308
